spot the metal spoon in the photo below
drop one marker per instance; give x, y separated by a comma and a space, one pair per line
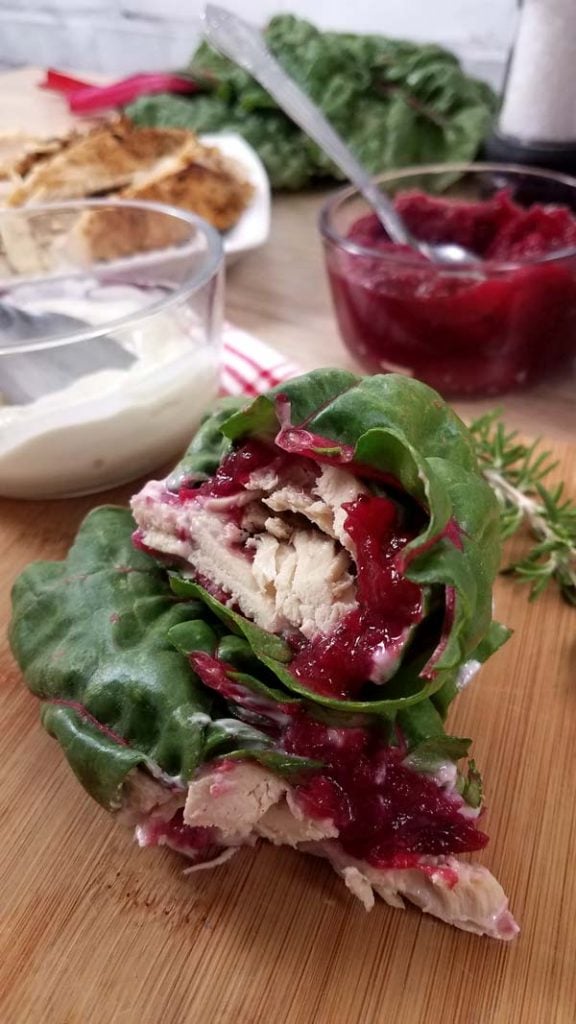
245, 45
27, 376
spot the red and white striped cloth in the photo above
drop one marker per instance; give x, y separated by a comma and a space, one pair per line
249, 366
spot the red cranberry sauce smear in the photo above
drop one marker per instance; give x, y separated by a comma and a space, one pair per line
140, 544
381, 807
495, 228
385, 812
295, 452
251, 706
196, 843
403, 861
234, 472
366, 643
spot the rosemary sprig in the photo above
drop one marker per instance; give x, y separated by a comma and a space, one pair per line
517, 474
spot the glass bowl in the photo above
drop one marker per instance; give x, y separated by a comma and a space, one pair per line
481, 329
110, 321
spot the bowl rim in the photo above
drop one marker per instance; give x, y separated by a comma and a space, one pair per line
211, 265
335, 200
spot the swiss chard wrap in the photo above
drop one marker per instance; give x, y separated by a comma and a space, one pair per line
305, 594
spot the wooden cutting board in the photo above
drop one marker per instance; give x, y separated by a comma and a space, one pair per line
96, 931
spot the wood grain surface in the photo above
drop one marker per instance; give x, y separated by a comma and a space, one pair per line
95, 931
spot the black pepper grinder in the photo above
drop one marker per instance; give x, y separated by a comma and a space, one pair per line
537, 120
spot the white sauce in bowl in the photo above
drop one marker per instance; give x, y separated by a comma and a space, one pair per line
114, 425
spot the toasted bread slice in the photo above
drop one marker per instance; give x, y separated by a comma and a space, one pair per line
104, 160
112, 232
196, 178
19, 151
169, 166
200, 179
20, 251
40, 152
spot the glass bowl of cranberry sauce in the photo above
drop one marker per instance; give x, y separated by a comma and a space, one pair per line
503, 322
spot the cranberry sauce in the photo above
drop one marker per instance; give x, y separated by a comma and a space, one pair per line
494, 229
234, 472
218, 675
386, 813
381, 807
486, 332
295, 455
366, 643
197, 843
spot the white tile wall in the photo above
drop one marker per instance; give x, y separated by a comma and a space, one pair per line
128, 35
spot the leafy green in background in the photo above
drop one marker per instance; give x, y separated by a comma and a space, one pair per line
396, 103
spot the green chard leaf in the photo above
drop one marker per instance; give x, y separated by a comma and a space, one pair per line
283, 764
261, 642
207, 448
103, 641
91, 636
229, 736
100, 763
470, 786
396, 103
431, 753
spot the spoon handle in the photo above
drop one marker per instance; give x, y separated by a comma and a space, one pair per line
245, 45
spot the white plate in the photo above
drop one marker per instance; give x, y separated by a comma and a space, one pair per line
253, 228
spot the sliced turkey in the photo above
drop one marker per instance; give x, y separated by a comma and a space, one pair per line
240, 803
290, 570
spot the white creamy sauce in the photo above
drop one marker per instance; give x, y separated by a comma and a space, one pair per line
234, 727
467, 672
114, 425
198, 718
445, 774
